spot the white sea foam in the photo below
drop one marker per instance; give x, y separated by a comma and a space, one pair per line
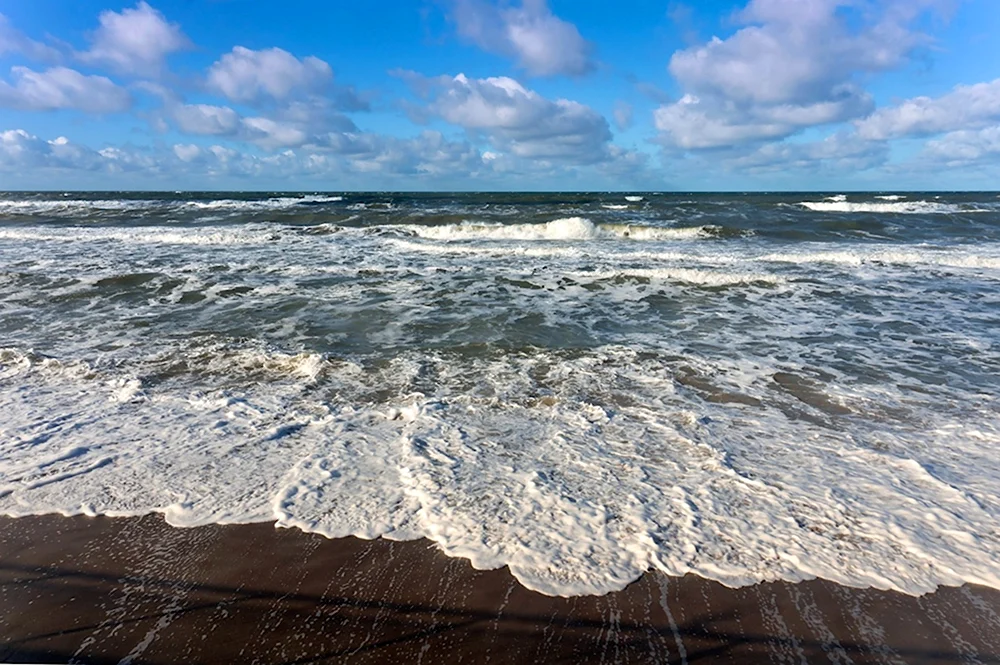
569, 228
276, 203
165, 235
891, 197
898, 207
525, 395
615, 206
858, 257
679, 274
73, 206
579, 473
81, 207
371, 206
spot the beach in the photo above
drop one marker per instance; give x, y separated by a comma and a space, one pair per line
500, 331
102, 590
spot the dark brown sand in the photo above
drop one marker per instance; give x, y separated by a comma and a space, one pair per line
100, 590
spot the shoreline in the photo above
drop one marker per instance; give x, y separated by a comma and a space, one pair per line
99, 589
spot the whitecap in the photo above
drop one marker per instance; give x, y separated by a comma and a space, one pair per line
569, 228
897, 207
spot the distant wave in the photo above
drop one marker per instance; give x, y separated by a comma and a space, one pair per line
569, 228
897, 257
70, 207
275, 203
30, 206
895, 207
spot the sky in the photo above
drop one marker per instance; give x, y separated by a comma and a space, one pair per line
412, 95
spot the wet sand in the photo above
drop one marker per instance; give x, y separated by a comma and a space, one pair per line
103, 590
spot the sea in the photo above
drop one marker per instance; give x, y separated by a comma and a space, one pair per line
579, 386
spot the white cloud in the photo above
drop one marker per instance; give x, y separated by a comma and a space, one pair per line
794, 51
135, 41
519, 120
62, 88
294, 124
965, 107
542, 43
316, 115
245, 75
187, 152
307, 123
205, 119
18, 147
273, 134
429, 154
429, 160
692, 125
793, 65
20, 150
837, 153
14, 41
965, 147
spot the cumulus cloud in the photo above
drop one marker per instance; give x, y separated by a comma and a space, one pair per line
187, 152
244, 75
290, 127
135, 41
966, 107
542, 43
693, 123
315, 115
292, 124
839, 153
205, 119
299, 124
273, 134
20, 150
965, 147
62, 88
352, 159
519, 120
793, 65
429, 154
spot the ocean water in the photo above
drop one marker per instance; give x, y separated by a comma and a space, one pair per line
579, 386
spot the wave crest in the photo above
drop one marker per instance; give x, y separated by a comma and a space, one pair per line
893, 207
568, 228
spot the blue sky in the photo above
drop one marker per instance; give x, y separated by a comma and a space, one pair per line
500, 94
